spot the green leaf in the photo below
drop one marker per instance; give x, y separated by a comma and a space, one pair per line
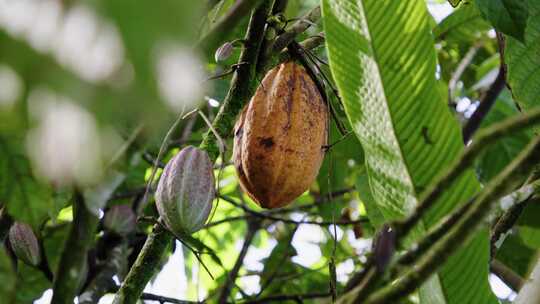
8, 277
383, 60
364, 192
517, 256
524, 63
497, 156
507, 16
529, 226
465, 23
27, 199
338, 165
31, 283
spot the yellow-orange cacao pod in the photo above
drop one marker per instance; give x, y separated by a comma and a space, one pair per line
279, 137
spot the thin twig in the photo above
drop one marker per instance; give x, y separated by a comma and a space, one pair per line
462, 66
299, 298
253, 227
269, 216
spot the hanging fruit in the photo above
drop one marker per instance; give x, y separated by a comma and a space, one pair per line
185, 191
24, 243
279, 137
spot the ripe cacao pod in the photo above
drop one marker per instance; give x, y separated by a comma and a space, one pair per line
120, 219
24, 243
279, 137
185, 191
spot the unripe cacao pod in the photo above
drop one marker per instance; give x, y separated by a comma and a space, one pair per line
279, 137
24, 243
120, 219
186, 190
224, 52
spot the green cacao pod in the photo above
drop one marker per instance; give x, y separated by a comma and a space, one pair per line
24, 243
186, 190
120, 219
279, 137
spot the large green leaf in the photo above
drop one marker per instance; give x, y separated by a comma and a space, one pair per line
383, 60
524, 63
507, 16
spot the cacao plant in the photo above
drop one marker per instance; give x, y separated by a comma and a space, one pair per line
24, 243
279, 137
120, 219
185, 191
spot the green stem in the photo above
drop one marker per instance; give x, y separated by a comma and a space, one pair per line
74, 256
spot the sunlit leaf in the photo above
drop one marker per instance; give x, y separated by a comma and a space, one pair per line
382, 58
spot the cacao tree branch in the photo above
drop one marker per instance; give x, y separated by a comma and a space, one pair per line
520, 199
486, 104
489, 98
436, 189
144, 267
460, 233
241, 89
253, 227
74, 254
243, 82
507, 275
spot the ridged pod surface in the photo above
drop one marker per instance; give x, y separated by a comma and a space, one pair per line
24, 243
185, 191
279, 137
